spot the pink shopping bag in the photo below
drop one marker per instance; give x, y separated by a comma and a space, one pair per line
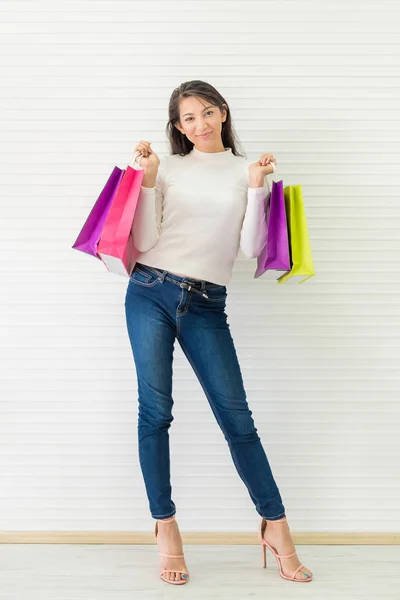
274, 259
116, 247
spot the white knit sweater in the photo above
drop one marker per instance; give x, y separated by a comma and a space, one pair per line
199, 213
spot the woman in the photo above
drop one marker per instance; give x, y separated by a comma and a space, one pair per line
196, 207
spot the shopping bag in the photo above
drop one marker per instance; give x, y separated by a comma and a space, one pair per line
274, 259
89, 236
302, 267
116, 248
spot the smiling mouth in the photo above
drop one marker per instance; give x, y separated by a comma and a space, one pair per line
205, 134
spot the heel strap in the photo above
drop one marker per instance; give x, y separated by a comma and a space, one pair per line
264, 541
286, 555
171, 556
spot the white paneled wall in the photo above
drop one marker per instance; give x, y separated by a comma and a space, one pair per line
315, 82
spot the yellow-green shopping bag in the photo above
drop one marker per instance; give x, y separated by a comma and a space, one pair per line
302, 267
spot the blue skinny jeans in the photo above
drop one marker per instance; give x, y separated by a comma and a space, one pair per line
161, 307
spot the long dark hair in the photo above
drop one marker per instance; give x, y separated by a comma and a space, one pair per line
179, 144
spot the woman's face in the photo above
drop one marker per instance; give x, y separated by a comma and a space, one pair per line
199, 117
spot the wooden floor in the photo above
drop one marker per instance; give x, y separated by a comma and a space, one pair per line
130, 572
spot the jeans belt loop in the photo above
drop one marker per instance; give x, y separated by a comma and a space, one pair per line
160, 274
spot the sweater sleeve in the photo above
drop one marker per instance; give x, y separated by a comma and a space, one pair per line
253, 235
146, 226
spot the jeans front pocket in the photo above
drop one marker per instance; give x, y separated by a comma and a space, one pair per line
216, 293
143, 276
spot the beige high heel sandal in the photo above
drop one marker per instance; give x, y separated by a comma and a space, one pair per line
179, 581
278, 557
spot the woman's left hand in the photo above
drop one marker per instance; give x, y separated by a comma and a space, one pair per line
262, 167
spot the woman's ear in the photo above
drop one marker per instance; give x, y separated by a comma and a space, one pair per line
178, 127
224, 112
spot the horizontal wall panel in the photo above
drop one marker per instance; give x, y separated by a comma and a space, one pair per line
318, 85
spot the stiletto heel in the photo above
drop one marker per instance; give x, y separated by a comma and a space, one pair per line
264, 550
180, 581
278, 557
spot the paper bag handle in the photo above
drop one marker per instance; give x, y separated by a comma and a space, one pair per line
133, 161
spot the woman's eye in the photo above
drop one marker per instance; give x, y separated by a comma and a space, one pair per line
209, 111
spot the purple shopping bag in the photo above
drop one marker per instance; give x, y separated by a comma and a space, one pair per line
88, 239
274, 259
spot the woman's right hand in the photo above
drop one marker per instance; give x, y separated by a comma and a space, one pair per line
147, 159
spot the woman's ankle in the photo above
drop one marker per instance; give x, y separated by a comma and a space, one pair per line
167, 520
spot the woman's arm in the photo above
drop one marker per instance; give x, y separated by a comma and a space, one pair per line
254, 227
146, 226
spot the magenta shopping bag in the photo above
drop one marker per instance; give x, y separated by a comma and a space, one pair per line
274, 259
89, 236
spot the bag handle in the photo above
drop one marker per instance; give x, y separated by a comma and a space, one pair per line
134, 162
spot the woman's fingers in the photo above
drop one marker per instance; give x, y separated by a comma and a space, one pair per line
265, 159
144, 148
145, 144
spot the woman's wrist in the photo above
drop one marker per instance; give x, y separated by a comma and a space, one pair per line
149, 178
256, 183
